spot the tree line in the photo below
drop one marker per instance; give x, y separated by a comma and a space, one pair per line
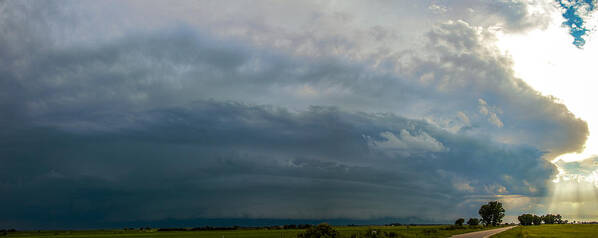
532, 219
227, 228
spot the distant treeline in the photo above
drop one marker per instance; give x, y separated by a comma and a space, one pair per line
277, 227
532, 219
4, 232
228, 228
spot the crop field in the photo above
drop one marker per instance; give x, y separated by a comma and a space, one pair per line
563, 230
345, 231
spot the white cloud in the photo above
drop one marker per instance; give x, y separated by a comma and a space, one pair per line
438, 9
463, 187
490, 112
464, 118
459, 183
407, 143
495, 189
495, 120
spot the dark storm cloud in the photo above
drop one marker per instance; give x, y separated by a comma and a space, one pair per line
110, 119
215, 159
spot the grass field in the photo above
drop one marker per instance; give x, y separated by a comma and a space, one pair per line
565, 230
401, 231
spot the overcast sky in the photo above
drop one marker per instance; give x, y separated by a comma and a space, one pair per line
144, 111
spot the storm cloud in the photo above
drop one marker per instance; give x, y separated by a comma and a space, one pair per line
124, 113
257, 162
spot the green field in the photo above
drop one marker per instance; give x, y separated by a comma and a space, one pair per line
401, 231
565, 230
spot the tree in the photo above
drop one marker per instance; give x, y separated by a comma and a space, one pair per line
552, 219
492, 213
549, 219
473, 221
320, 231
526, 219
559, 219
459, 222
537, 220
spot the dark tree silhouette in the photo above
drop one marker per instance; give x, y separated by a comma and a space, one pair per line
537, 220
459, 222
492, 213
549, 219
320, 231
526, 219
559, 219
473, 221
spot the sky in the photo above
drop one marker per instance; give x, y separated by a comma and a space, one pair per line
149, 112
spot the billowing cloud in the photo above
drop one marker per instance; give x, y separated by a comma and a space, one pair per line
578, 171
121, 113
406, 142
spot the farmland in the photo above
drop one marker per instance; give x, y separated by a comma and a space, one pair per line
344, 231
552, 230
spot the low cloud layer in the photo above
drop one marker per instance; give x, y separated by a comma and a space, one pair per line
214, 159
126, 114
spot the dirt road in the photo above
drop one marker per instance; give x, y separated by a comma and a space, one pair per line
482, 234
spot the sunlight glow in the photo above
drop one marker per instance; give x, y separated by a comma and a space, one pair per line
548, 62
574, 199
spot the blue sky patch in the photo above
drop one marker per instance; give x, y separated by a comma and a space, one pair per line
574, 11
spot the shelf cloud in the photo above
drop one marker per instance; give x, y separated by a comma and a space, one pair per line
301, 110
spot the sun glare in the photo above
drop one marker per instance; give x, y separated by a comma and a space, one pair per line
575, 198
548, 62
